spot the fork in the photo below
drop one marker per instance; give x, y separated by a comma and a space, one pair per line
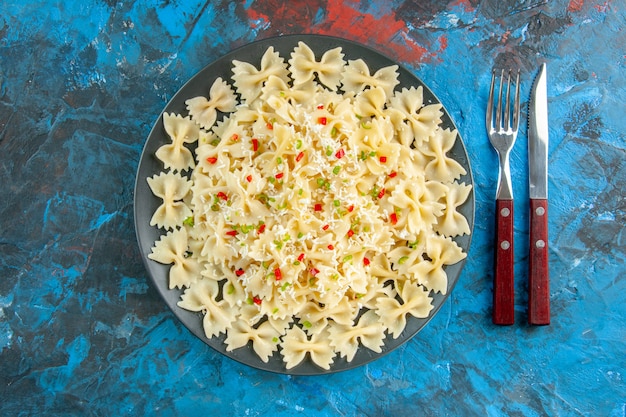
502, 136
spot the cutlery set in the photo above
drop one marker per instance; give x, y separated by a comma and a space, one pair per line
502, 123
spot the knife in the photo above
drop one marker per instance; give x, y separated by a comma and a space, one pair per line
538, 268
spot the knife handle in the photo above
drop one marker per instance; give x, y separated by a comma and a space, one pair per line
503, 287
538, 273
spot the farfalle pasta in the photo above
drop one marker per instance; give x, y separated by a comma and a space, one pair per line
319, 212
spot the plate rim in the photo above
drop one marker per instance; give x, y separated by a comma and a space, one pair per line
166, 294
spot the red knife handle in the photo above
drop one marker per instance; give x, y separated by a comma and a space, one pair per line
503, 287
538, 273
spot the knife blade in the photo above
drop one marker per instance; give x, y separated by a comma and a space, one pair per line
538, 266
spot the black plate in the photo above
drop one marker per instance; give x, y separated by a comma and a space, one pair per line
146, 203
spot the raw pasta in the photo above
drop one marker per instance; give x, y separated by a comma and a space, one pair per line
320, 210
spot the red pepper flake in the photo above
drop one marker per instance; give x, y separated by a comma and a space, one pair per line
232, 233
325, 227
381, 193
235, 137
331, 247
262, 228
314, 271
321, 106
300, 156
256, 300
393, 174
278, 274
340, 153
366, 261
279, 175
270, 126
222, 195
240, 272
301, 257
211, 160
322, 120
350, 233
393, 217
249, 178
255, 145
318, 207
383, 159
351, 208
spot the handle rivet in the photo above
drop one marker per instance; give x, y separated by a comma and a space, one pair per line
540, 211
505, 244
540, 244
505, 212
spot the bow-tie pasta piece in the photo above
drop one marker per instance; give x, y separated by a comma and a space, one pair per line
415, 301
204, 112
173, 248
368, 331
171, 189
452, 223
328, 69
180, 130
356, 77
296, 345
419, 122
249, 80
442, 168
264, 338
441, 251
203, 297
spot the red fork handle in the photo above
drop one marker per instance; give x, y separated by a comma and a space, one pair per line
538, 273
503, 287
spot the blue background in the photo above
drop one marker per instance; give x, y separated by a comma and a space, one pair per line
82, 330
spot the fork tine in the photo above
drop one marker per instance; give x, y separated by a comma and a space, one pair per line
516, 108
499, 107
489, 116
507, 107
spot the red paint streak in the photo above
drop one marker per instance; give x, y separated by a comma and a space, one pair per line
467, 6
344, 19
443, 43
602, 8
381, 30
575, 5
256, 17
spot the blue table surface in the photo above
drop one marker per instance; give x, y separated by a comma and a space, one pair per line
84, 332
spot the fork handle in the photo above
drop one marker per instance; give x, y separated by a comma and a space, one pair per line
503, 287
538, 272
